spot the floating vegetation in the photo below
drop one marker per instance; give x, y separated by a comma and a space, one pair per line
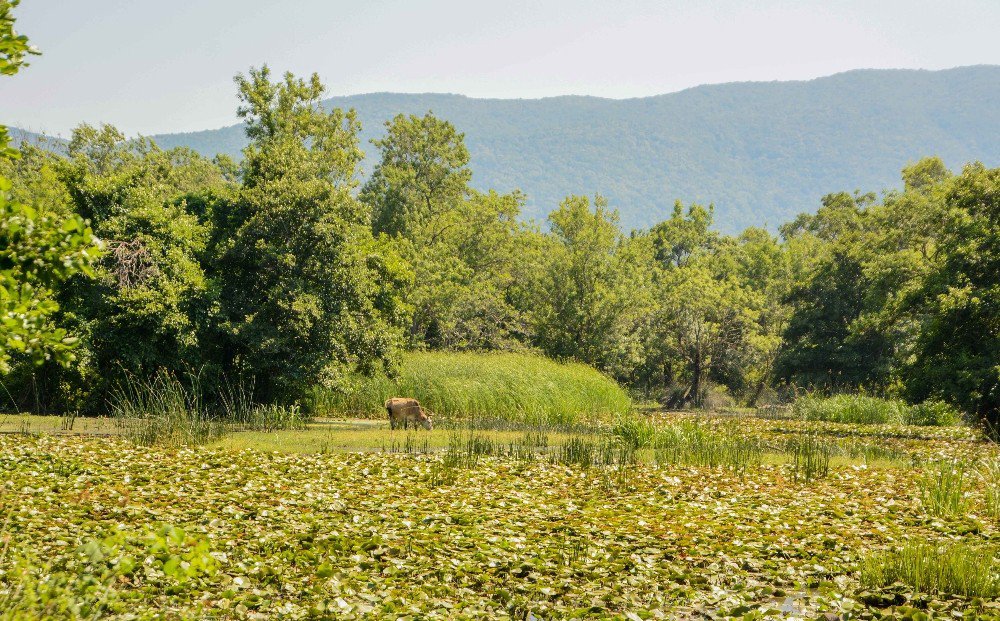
704, 515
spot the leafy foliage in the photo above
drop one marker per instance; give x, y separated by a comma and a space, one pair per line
38, 249
285, 272
307, 293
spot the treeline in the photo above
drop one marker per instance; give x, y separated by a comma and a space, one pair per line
285, 271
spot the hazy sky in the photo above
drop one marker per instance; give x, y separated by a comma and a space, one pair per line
159, 66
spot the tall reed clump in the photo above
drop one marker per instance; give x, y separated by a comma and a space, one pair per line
989, 471
696, 444
943, 489
163, 411
810, 457
950, 569
241, 411
488, 388
865, 410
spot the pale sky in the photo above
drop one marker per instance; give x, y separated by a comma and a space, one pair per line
154, 66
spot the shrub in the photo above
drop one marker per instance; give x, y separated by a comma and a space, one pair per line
487, 387
951, 569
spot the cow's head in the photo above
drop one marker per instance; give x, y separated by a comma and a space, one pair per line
424, 419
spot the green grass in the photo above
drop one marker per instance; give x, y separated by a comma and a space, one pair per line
342, 436
691, 442
811, 457
491, 388
163, 411
955, 569
865, 410
943, 489
989, 471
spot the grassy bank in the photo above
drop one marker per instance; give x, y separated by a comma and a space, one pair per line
489, 387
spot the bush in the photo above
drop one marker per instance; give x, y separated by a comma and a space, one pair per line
501, 387
865, 410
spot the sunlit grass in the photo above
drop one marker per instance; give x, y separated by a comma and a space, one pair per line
943, 489
989, 472
865, 410
365, 435
490, 387
952, 569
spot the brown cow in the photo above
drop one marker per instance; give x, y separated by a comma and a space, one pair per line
403, 411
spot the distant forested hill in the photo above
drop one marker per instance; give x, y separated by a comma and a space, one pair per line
761, 152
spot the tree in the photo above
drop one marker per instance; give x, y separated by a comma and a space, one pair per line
683, 236
586, 294
957, 353
714, 314
422, 176
467, 248
308, 294
38, 250
826, 346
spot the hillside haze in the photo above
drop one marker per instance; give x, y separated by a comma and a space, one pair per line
760, 151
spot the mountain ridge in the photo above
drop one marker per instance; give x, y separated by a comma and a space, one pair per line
761, 152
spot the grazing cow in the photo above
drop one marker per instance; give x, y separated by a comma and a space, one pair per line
403, 411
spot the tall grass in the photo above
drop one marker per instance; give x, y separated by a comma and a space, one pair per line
521, 388
865, 410
811, 457
698, 444
989, 471
162, 410
952, 569
942, 490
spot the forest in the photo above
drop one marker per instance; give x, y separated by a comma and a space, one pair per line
122, 260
